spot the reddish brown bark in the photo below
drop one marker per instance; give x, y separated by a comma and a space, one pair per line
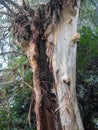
46, 117
32, 54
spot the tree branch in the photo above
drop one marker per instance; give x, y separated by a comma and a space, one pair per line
4, 53
7, 82
15, 81
6, 6
27, 84
94, 3
5, 70
13, 3
6, 13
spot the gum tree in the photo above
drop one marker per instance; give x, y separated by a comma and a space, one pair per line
48, 35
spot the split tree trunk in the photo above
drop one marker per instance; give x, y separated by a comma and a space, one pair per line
49, 40
61, 53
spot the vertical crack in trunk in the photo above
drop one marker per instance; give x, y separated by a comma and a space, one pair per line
43, 80
49, 99
45, 37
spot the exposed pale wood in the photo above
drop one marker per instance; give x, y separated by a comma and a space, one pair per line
51, 51
64, 67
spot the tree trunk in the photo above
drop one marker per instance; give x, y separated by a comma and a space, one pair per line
49, 40
64, 69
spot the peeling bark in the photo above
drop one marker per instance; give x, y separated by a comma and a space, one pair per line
32, 54
43, 106
48, 37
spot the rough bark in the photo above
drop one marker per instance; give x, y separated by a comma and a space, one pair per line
46, 119
48, 37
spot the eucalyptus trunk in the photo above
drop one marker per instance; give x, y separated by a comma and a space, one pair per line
49, 38
64, 68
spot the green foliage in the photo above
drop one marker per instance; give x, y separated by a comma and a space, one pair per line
15, 115
16, 96
87, 76
87, 47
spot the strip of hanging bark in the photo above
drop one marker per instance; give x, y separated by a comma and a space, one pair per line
30, 109
29, 114
32, 54
45, 117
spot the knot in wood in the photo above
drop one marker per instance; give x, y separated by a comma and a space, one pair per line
68, 82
